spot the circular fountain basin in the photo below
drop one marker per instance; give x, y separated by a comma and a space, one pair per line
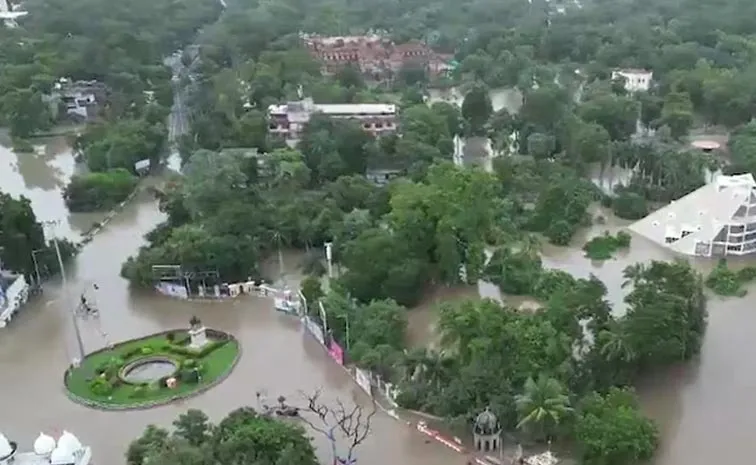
147, 370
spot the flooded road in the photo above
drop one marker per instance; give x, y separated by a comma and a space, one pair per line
705, 409
278, 357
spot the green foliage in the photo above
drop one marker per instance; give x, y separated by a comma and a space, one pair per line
241, 436
726, 282
101, 386
542, 406
98, 191
312, 290
23, 235
119, 145
629, 205
603, 247
611, 430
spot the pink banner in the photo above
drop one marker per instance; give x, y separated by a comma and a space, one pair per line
337, 353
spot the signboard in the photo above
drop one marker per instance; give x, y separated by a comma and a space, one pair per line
363, 380
314, 329
336, 352
172, 290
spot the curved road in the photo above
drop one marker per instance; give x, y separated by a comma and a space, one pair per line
278, 358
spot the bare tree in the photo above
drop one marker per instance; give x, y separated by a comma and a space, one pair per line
351, 425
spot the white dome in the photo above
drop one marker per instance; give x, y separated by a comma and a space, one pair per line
5, 447
62, 456
44, 445
69, 442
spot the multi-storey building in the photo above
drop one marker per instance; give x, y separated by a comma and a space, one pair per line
376, 56
718, 219
289, 119
636, 80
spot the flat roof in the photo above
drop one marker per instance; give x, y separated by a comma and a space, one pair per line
341, 108
706, 144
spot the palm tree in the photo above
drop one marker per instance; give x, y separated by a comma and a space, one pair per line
542, 405
615, 346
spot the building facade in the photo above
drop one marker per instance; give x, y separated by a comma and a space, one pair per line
14, 293
288, 120
717, 220
636, 80
374, 55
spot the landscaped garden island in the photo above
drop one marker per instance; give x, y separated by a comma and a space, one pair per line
154, 370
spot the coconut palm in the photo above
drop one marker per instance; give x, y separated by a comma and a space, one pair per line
615, 346
542, 406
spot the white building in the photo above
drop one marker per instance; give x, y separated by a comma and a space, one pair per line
14, 293
67, 450
290, 118
636, 80
716, 220
8, 14
79, 99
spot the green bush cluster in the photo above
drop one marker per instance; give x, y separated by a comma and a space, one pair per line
726, 282
603, 247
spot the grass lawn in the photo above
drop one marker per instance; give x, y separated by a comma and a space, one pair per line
214, 364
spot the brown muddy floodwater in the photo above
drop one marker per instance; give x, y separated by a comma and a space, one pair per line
706, 409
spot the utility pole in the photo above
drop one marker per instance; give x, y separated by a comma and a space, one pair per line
68, 300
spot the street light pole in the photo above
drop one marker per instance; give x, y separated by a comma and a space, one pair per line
68, 300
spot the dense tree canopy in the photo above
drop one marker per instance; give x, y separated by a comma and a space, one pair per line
243, 436
22, 240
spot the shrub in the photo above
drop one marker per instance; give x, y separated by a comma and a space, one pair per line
101, 386
170, 337
98, 191
190, 376
132, 352
139, 391
603, 247
146, 350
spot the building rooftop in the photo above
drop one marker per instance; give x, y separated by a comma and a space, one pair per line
337, 108
700, 215
633, 71
66, 451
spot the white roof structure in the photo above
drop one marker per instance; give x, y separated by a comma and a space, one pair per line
717, 219
67, 451
5, 447
335, 109
44, 445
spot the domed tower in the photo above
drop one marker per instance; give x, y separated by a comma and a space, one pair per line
44, 445
487, 432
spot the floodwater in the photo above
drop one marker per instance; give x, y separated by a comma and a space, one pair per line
278, 358
706, 409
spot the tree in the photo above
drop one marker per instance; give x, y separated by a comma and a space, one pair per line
242, 436
339, 425
677, 113
312, 291
476, 109
616, 114
543, 406
98, 191
22, 239
27, 112
193, 427
611, 430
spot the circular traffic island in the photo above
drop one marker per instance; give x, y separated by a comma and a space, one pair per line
153, 370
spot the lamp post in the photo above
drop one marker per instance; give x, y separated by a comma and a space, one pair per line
36, 265
345, 317
67, 296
